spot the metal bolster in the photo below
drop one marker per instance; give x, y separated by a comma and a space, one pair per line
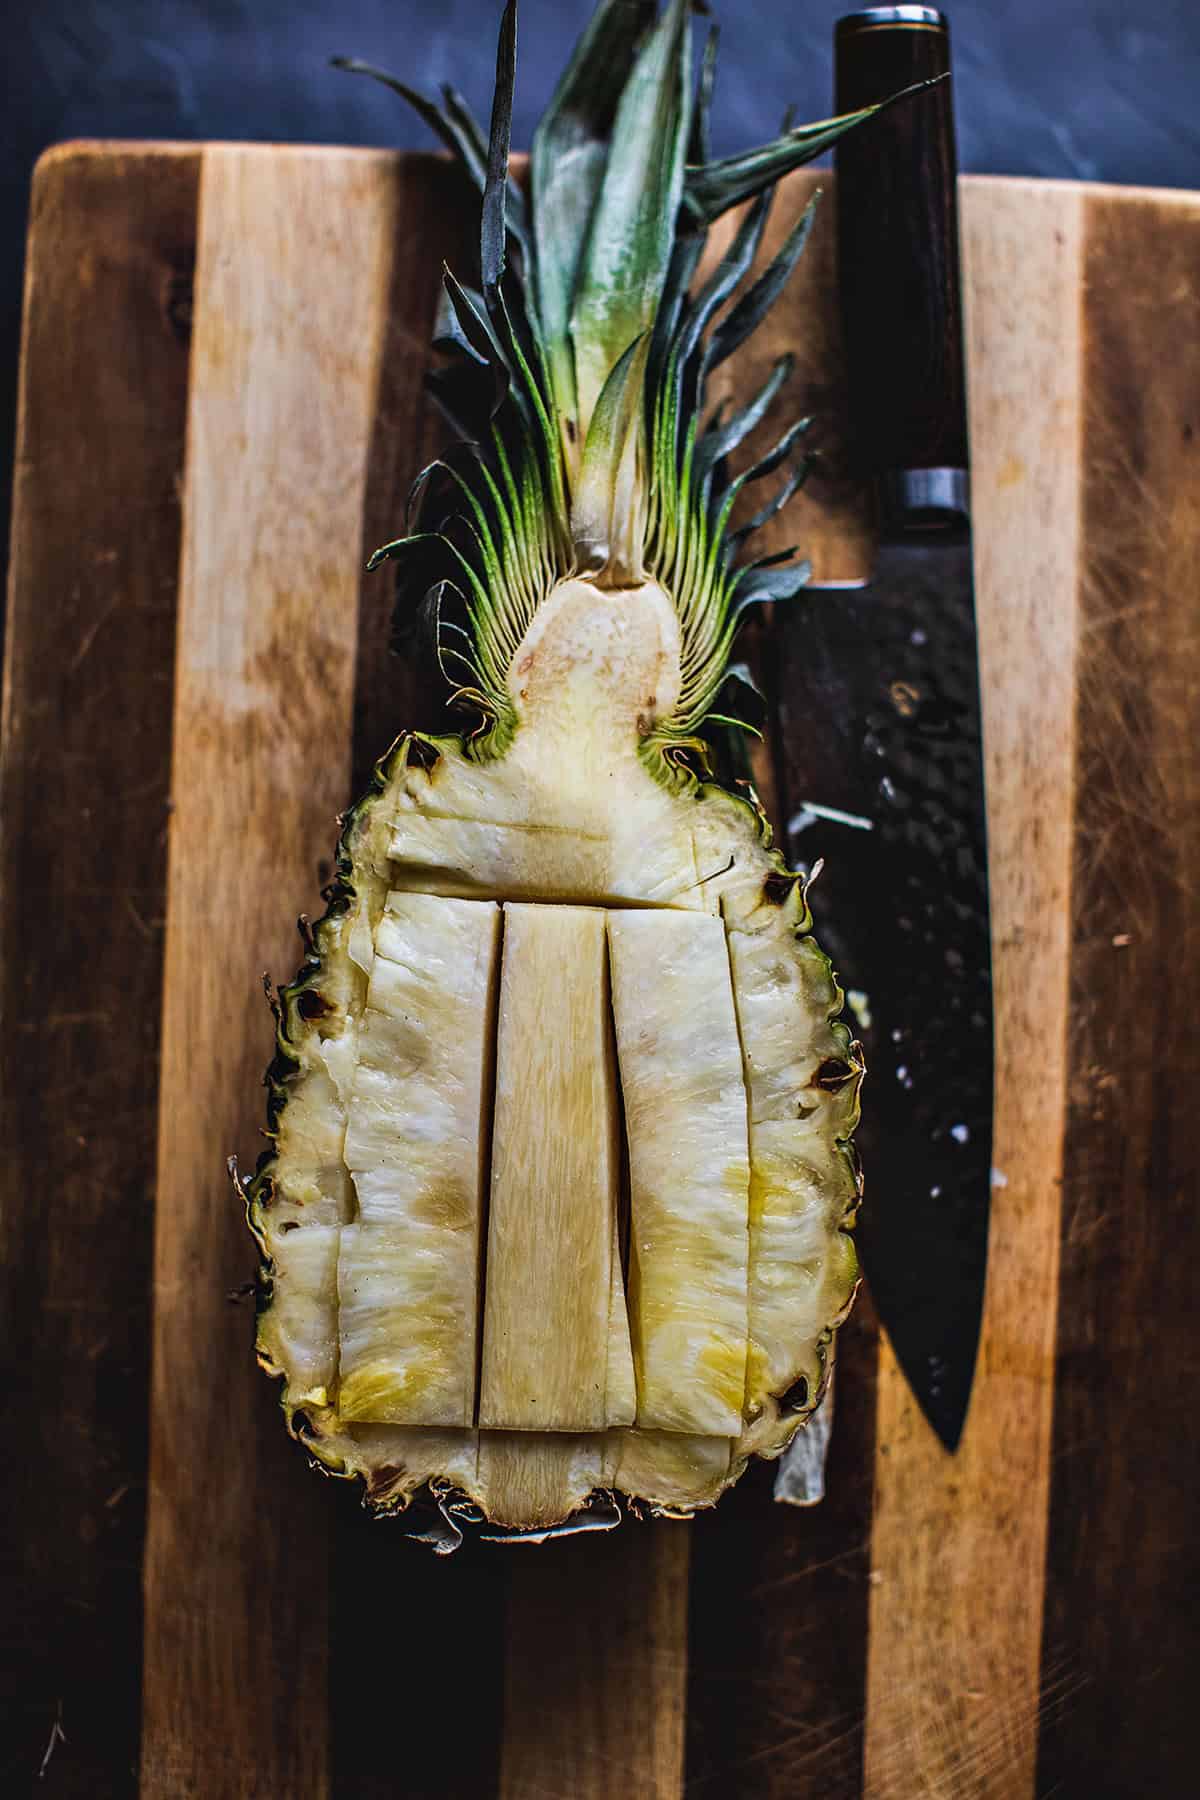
929, 498
923, 17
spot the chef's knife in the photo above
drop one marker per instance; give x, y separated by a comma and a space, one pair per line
892, 797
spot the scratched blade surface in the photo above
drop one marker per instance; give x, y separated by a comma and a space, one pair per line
878, 701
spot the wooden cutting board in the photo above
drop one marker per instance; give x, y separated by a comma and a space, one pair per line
221, 408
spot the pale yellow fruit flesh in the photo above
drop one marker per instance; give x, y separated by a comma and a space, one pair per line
408, 1269
802, 1261
556, 1349
685, 1111
569, 813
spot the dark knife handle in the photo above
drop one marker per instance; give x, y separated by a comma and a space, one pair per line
898, 265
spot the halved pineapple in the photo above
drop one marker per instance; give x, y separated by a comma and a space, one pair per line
559, 1202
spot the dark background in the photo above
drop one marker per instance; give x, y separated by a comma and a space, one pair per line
1093, 90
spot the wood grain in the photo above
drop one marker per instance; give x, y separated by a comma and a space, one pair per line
958, 1543
1122, 1636
596, 1653
292, 264
888, 1640
86, 760
778, 1617
376, 1576
777, 1682
407, 691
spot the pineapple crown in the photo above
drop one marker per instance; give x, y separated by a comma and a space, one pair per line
576, 371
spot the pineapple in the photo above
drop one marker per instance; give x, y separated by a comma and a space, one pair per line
558, 1203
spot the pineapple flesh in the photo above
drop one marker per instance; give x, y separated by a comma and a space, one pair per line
685, 1110
417, 1102
557, 1210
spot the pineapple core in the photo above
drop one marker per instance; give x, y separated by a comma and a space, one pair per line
556, 1170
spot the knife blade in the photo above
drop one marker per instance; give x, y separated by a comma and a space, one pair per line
891, 797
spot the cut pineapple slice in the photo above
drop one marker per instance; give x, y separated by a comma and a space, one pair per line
408, 1275
304, 1309
685, 1112
673, 1470
314, 1186
802, 1090
551, 1305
